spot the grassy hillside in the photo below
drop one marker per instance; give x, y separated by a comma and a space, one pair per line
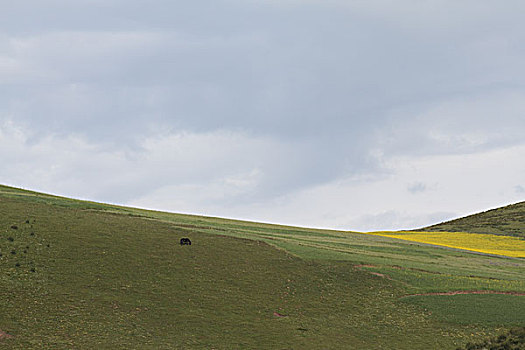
86, 275
508, 220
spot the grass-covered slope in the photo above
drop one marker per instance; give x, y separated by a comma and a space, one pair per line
86, 275
508, 220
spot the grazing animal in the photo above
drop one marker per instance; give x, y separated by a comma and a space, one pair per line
185, 241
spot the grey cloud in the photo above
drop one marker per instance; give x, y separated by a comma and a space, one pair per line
327, 83
457, 125
313, 73
417, 187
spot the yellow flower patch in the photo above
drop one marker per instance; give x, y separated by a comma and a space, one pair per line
483, 243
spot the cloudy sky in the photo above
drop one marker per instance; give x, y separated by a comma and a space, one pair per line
347, 114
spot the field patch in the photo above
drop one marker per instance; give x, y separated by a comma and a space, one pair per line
480, 309
482, 243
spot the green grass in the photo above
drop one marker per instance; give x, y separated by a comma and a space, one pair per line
419, 281
116, 278
508, 220
491, 310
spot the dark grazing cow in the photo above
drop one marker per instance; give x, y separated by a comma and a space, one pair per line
185, 241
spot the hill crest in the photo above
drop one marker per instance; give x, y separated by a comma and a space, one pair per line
508, 220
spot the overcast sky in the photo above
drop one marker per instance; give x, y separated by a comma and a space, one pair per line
346, 114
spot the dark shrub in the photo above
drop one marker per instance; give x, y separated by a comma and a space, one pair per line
514, 340
14, 227
10, 239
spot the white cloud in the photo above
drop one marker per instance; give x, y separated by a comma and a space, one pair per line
222, 174
459, 185
222, 165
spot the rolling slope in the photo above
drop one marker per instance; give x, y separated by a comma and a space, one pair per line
76, 274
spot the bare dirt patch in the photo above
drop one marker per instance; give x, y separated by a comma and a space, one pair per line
382, 275
4, 335
279, 315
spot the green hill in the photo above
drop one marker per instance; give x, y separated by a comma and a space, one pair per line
84, 275
508, 220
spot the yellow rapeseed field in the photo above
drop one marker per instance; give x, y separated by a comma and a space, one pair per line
483, 243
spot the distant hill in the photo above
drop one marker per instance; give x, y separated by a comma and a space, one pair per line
508, 220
